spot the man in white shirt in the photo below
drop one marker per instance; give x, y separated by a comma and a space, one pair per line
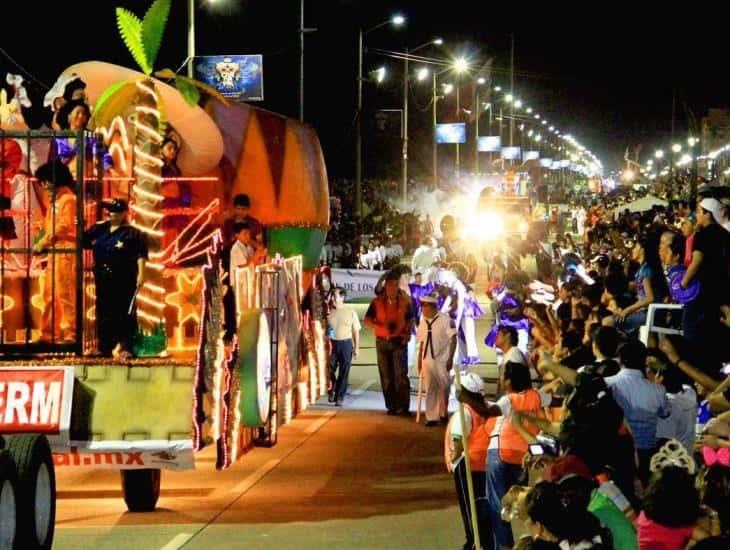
436, 337
507, 350
242, 250
345, 337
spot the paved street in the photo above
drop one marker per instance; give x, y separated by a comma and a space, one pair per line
351, 477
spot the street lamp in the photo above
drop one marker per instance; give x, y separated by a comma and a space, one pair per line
659, 154
422, 74
397, 21
461, 65
676, 148
191, 34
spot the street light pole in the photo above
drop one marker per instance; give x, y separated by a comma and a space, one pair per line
404, 162
476, 133
191, 36
458, 119
358, 129
301, 61
433, 137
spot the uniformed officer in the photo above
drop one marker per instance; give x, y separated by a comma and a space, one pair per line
120, 252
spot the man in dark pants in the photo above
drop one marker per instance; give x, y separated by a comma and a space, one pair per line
390, 315
120, 252
345, 337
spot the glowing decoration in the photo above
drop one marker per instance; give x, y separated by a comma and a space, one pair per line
186, 299
6, 304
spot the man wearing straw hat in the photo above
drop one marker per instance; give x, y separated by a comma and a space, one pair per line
436, 337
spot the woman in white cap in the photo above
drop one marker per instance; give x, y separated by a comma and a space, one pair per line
709, 266
477, 433
436, 337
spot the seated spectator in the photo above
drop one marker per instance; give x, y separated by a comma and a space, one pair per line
663, 523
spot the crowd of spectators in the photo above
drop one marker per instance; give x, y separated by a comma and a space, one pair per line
626, 443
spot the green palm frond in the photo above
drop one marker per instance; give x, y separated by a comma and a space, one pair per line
189, 92
168, 74
203, 87
112, 102
130, 29
153, 27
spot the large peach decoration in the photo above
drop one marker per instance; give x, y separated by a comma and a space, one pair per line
278, 163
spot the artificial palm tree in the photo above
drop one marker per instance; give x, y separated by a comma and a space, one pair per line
143, 39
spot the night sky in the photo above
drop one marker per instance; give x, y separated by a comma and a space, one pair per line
597, 72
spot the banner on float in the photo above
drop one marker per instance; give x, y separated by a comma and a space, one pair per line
451, 133
565, 163
359, 283
546, 162
489, 144
126, 455
556, 165
36, 400
511, 153
235, 76
531, 155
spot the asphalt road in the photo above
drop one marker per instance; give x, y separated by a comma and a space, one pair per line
348, 477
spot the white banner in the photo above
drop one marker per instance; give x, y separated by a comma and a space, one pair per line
359, 283
126, 455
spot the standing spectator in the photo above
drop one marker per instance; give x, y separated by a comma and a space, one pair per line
345, 327
390, 315
241, 209
436, 347
643, 402
709, 265
688, 230
476, 432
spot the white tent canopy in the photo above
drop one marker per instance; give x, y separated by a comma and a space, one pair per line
643, 204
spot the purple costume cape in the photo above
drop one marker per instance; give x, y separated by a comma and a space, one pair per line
503, 319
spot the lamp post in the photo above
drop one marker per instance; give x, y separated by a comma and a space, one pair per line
191, 36
404, 162
396, 20
480, 81
460, 66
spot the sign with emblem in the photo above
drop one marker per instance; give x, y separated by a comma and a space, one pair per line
126, 455
234, 76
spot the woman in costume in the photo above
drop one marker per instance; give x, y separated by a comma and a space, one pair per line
509, 312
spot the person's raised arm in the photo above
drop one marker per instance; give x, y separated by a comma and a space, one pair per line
707, 382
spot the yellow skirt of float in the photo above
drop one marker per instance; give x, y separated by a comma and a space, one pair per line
254, 368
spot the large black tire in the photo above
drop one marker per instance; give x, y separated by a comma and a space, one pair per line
141, 489
36, 490
8, 505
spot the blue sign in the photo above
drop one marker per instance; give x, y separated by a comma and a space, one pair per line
546, 162
238, 77
489, 144
511, 153
531, 155
451, 133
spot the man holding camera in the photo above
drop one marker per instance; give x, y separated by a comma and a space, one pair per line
390, 315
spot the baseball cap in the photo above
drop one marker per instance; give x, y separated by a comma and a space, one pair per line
716, 208
115, 205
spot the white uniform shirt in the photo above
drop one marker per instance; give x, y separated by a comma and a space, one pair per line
241, 254
680, 424
505, 405
442, 331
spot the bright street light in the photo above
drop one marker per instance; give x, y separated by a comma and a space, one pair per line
448, 88
379, 74
397, 19
537, 117
422, 74
529, 110
538, 137
481, 80
498, 88
676, 148
552, 128
461, 65
659, 154
692, 141
438, 41
518, 104
508, 98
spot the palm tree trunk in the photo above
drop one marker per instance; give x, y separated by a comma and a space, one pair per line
147, 207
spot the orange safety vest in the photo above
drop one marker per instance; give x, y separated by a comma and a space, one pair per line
396, 313
512, 446
478, 441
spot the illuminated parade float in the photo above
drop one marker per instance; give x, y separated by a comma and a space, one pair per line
187, 387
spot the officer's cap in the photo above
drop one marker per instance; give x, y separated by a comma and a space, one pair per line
116, 205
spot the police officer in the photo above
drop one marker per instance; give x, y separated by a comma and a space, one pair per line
120, 252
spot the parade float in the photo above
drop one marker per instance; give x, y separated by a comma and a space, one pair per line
186, 389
